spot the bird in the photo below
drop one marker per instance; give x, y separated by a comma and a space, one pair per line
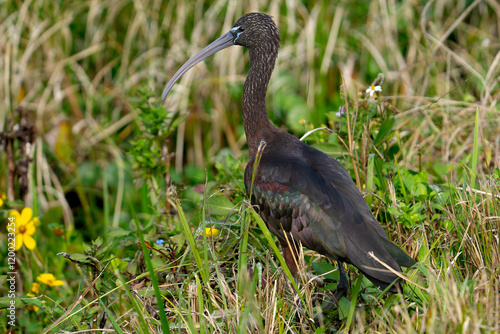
304, 196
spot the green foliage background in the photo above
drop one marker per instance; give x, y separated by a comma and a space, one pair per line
109, 159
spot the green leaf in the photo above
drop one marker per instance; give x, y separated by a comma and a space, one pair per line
81, 258
385, 129
5, 302
419, 190
116, 263
157, 262
118, 233
436, 216
98, 242
394, 211
344, 306
32, 301
322, 268
219, 205
409, 181
422, 177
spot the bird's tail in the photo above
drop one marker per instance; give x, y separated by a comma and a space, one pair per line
398, 254
393, 257
401, 258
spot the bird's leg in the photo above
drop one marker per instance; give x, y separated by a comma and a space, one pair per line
340, 292
343, 282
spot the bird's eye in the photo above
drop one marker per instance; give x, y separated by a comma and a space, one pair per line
236, 31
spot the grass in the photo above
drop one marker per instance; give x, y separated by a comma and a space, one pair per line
113, 172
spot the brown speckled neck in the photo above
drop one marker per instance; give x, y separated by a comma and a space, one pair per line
262, 59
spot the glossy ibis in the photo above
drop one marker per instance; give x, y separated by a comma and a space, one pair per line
301, 193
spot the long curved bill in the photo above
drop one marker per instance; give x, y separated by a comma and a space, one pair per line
222, 42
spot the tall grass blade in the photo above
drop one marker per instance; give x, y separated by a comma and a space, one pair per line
142, 326
403, 187
152, 275
190, 238
243, 248
200, 301
370, 179
475, 150
105, 200
278, 255
242, 264
111, 317
354, 298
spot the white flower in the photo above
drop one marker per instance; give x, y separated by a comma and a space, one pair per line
372, 89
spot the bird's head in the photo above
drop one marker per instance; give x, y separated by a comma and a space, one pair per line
253, 30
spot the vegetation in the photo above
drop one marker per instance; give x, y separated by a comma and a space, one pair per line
141, 222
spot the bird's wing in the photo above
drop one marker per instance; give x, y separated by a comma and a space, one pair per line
291, 198
339, 178
304, 201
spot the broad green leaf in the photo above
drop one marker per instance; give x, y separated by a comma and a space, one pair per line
32, 301
419, 190
394, 211
219, 205
118, 233
322, 268
344, 306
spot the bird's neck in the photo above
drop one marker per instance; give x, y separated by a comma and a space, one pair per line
255, 119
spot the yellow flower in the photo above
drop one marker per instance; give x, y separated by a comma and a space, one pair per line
25, 228
2, 198
211, 232
49, 279
35, 288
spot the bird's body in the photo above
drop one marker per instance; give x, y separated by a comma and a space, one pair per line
301, 193
304, 194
